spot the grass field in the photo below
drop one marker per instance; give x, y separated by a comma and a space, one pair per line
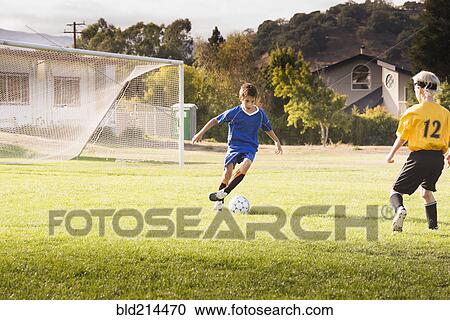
34, 265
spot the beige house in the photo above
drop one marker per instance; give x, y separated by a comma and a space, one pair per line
369, 82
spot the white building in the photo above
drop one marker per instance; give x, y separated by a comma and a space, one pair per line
368, 82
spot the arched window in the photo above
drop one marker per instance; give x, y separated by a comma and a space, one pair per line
361, 78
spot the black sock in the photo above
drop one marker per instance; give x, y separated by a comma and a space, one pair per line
236, 180
431, 212
396, 201
222, 185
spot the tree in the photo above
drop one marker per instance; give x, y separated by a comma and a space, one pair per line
310, 100
143, 39
337, 33
177, 43
379, 21
102, 36
267, 36
430, 49
235, 58
232, 63
443, 97
220, 69
212, 93
205, 56
173, 41
274, 108
159, 91
206, 52
216, 38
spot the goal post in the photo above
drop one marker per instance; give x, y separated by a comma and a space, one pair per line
60, 103
181, 115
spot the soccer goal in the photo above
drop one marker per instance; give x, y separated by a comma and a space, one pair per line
60, 103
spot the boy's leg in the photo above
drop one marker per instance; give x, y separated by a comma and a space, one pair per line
396, 200
237, 178
226, 176
239, 175
430, 208
407, 182
435, 165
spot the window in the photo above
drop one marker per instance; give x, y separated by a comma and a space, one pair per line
389, 81
66, 92
14, 88
361, 78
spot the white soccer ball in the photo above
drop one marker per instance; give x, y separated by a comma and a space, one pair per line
239, 204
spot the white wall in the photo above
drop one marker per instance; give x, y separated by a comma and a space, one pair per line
404, 80
18, 114
340, 77
69, 114
391, 95
41, 110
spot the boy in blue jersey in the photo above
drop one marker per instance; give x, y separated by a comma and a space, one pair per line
244, 122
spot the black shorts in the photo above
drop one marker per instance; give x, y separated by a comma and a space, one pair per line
423, 168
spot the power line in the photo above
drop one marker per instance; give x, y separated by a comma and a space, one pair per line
74, 31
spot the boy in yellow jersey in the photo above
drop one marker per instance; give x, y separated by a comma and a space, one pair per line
426, 127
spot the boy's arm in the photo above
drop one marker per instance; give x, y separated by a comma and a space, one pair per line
273, 136
399, 142
198, 137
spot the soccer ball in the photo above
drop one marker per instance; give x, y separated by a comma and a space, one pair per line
239, 204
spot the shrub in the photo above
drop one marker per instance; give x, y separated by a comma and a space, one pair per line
104, 135
133, 135
373, 127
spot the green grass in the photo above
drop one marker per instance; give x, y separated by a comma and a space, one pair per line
34, 265
12, 151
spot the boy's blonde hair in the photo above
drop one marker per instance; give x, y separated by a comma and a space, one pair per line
248, 90
427, 80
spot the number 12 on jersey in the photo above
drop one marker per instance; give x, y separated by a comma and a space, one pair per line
436, 128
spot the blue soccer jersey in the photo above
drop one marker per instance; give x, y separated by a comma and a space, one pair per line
243, 128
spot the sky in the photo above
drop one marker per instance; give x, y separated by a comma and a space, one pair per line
51, 16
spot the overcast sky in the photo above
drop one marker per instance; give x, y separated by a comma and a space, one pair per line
50, 16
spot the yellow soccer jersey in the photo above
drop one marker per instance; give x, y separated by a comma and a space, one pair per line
426, 126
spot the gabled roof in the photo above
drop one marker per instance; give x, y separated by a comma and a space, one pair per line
373, 99
368, 58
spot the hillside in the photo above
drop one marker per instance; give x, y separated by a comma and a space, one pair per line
338, 33
43, 39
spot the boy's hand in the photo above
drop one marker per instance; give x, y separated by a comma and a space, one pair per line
447, 159
278, 149
390, 158
197, 138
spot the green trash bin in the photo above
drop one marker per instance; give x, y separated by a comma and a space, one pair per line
190, 119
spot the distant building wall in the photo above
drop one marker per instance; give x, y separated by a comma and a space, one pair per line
404, 81
390, 91
339, 78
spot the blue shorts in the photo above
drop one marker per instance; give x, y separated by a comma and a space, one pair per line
238, 156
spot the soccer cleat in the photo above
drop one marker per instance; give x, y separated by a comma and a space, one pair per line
218, 195
218, 206
397, 223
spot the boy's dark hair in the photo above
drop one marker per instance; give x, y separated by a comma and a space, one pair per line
248, 90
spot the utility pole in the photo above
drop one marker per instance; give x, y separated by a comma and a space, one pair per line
74, 25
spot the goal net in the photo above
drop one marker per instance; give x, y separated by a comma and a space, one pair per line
59, 103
